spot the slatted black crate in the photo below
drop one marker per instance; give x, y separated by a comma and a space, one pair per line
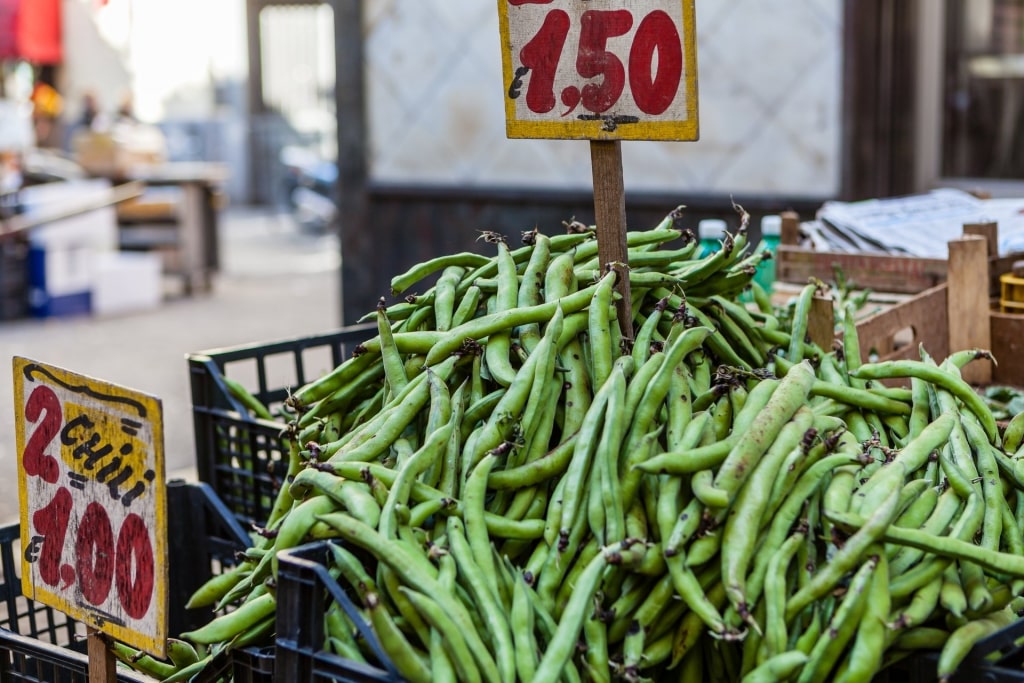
243, 457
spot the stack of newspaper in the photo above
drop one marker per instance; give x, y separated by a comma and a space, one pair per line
916, 225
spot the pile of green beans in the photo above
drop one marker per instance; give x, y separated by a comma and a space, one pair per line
515, 490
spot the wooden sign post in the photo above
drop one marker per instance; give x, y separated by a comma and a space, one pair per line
93, 507
610, 217
604, 71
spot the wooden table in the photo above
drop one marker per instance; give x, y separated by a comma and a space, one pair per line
197, 240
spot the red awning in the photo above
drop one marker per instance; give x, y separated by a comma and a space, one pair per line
39, 31
31, 30
9, 28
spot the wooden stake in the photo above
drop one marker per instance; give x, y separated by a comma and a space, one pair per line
790, 231
102, 662
821, 322
968, 304
610, 215
990, 231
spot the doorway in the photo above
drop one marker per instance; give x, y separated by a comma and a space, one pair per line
972, 73
292, 81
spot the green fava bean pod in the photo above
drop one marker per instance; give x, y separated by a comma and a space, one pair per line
740, 535
401, 283
940, 377
560, 648
853, 549
960, 641
775, 628
842, 627
231, 624
409, 663
779, 667
787, 398
865, 657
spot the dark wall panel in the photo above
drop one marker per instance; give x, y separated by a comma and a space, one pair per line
405, 226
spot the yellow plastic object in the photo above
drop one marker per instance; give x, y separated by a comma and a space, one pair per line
1011, 295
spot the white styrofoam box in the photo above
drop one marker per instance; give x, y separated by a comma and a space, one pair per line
66, 269
16, 134
60, 279
96, 228
125, 282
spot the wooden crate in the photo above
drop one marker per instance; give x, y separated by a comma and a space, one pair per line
878, 272
898, 332
956, 315
900, 274
1007, 330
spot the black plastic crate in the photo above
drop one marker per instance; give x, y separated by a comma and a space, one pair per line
14, 277
998, 658
248, 665
241, 456
304, 590
39, 643
305, 587
23, 659
204, 538
253, 665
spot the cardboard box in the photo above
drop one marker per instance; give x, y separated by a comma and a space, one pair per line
116, 153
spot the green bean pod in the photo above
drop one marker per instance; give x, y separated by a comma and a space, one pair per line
743, 522
943, 378
842, 627
790, 394
775, 628
853, 549
961, 640
560, 648
779, 667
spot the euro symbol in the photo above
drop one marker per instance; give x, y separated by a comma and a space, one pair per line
32, 552
516, 89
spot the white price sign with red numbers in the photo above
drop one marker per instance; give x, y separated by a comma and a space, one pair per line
92, 501
600, 69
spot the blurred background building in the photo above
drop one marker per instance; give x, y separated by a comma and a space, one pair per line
396, 108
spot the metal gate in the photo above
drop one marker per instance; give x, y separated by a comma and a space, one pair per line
291, 87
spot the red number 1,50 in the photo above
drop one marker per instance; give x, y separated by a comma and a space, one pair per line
653, 87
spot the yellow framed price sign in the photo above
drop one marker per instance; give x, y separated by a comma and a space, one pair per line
600, 69
92, 502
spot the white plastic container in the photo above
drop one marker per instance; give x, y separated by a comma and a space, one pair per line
126, 282
63, 252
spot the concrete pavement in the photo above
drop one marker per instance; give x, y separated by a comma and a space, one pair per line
274, 283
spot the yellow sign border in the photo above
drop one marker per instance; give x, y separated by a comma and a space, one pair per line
155, 643
666, 131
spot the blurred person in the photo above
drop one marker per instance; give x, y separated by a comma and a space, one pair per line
90, 110
126, 110
89, 119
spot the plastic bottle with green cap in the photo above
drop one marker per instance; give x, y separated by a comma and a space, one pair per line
771, 229
711, 232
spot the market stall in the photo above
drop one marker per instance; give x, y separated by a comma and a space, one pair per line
587, 453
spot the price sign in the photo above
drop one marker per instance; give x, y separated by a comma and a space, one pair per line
600, 69
93, 502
